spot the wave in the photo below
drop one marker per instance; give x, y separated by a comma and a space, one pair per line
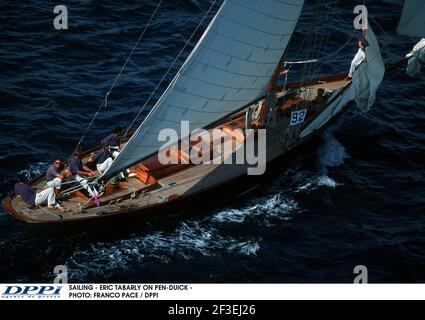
332, 153
190, 240
247, 248
34, 170
317, 182
31, 172
276, 207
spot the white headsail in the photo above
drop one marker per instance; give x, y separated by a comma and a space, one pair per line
412, 22
369, 75
230, 67
416, 60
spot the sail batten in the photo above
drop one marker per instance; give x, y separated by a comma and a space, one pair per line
239, 58
222, 17
230, 67
220, 85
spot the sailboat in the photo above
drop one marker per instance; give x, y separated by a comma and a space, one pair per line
229, 82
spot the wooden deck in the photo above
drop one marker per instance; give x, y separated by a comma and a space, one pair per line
154, 184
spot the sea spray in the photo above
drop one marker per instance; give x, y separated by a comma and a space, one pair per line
332, 153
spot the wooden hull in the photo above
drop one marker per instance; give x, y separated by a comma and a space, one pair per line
188, 205
191, 183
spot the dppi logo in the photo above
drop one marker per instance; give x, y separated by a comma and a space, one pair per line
32, 291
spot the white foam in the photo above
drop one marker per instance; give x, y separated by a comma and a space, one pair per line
275, 207
35, 169
332, 153
202, 237
189, 240
316, 182
248, 248
233, 215
327, 182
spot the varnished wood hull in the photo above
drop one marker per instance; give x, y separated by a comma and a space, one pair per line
190, 186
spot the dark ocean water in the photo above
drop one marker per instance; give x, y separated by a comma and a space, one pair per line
355, 197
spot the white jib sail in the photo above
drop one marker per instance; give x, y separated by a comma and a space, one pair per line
416, 60
230, 67
369, 75
412, 22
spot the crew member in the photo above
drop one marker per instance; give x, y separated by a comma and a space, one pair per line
360, 55
33, 198
102, 159
80, 171
112, 141
53, 177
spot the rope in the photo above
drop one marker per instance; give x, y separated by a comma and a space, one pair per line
80, 206
324, 57
73, 181
340, 49
169, 69
384, 45
105, 101
78, 185
101, 189
311, 43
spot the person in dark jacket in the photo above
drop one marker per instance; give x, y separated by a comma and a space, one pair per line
112, 141
33, 198
80, 171
102, 159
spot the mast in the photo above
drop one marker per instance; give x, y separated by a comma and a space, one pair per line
269, 100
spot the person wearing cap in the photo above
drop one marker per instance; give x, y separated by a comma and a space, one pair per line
33, 198
112, 141
360, 55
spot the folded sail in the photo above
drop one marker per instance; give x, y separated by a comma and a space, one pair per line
230, 67
369, 75
412, 21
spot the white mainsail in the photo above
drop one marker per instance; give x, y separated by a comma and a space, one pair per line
229, 68
369, 75
412, 22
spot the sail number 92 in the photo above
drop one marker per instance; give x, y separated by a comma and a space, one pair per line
298, 117
236, 310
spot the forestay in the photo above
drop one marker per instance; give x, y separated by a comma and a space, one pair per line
369, 75
229, 68
412, 22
